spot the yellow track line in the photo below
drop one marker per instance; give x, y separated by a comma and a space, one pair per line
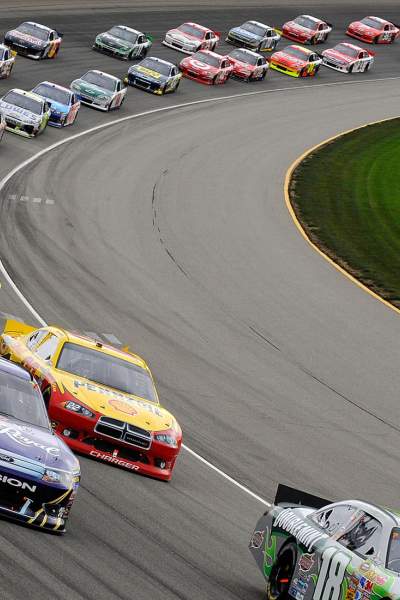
288, 179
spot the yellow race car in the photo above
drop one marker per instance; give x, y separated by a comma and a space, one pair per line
101, 400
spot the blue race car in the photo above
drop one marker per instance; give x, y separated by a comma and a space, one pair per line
39, 475
63, 103
154, 75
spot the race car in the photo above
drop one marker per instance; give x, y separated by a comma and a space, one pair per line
206, 67
248, 65
34, 40
7, 60
100, 90
307, 30
255, 36
123, 42
154, 75
39, 475
296, 61
2, 125
373, 30
310, 549
63, 103
348, 58
26, 113
101, 400
190, 37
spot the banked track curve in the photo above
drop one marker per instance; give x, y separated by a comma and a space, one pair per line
181, 245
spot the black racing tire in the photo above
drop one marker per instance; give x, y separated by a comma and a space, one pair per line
214, 81
304, 72
376, 40
282, 572
177, 85
314, 40
351, 69
144, 53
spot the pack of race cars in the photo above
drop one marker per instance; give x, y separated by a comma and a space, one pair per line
27, 113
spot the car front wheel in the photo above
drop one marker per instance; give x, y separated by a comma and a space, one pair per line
282, 572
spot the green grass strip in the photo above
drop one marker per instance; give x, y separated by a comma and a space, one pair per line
347, 197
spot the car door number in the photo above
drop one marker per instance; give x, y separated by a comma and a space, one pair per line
331, 574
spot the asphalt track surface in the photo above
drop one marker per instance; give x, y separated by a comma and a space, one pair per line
170, 231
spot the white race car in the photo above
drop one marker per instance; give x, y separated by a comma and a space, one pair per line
25, 113
190, 37
348, 58
7, 60
100, 90
2, 125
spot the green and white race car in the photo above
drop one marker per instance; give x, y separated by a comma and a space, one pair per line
308, 549
25, 113
123, 42
100, 90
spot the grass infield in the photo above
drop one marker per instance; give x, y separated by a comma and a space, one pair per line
346, 195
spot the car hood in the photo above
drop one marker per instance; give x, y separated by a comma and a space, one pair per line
90, 88
115, 404
243, 33
34, 443
24, 37
343, 58
287, 60
19, 113
296, 27
116, 41
148, 73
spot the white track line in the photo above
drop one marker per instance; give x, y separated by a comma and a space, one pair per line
76, 136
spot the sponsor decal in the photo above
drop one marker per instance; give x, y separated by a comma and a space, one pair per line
17, 483
6, 458
149, 72
257, 539
305, 534
306, 562
91, 387
123, 407
299, 587
370, 573
114, 460
15, 435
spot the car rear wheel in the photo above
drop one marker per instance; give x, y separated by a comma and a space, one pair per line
282, 573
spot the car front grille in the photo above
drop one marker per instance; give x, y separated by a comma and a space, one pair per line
130, 434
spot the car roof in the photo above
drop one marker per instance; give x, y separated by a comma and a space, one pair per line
210, 53
249, 52
54, 85
305, 50
89, 342
379, 19
6, 366
102, 73
311, 18
26, 93
365, 505
349, 45
44, 27
258, 23
125, 28
160, 60
196, 25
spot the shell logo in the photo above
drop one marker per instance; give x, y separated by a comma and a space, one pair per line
123, 407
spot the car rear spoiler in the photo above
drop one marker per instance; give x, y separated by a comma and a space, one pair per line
288, 496
13, 326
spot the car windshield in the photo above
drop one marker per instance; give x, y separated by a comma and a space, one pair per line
371, 22
53, 93
393, 556
207, 59
296, 52
24, 102
347, 50
100, 80
253, 28
186, 28
34, 30
243, 56
123, 34
305, 22
21, 399
106, 369
155, 65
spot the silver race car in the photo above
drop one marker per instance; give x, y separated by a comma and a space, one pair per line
25, 113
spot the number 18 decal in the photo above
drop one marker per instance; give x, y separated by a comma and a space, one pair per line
333, 568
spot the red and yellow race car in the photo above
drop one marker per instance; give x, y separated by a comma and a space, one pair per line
206, 67
296, 61
101, 400
307, 30
373, 30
